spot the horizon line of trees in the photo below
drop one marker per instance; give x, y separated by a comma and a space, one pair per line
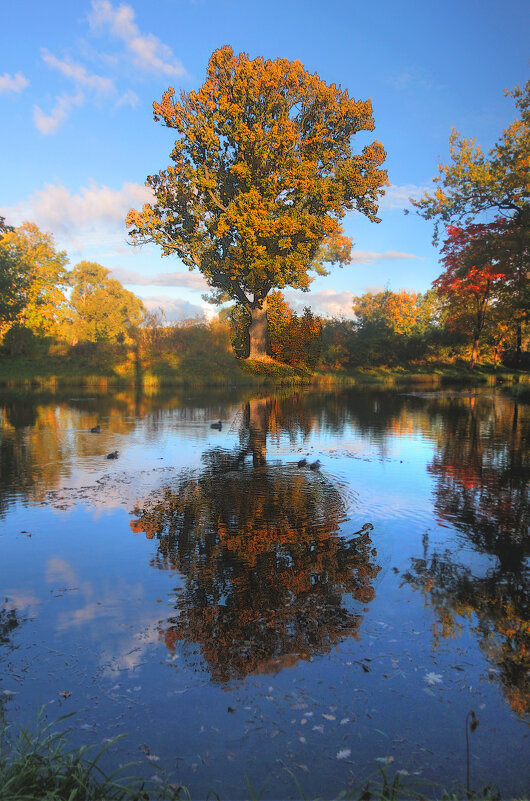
469, 314
42, 302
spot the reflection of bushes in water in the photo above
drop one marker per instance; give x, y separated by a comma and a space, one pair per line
9, 621
501, 603
42, 434
264, 568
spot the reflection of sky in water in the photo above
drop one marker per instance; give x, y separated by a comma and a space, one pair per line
93, 611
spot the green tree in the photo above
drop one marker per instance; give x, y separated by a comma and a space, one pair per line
103, 310
263, 171
33, 276
392, 325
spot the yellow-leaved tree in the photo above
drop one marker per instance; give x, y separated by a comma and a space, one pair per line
40, 304
263, 171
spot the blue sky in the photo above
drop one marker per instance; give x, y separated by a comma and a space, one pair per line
77, 140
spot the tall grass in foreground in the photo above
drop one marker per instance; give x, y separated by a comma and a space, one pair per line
39, 765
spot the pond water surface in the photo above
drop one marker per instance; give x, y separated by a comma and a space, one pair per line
240, 611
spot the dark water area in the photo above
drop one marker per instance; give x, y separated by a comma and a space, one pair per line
240, 609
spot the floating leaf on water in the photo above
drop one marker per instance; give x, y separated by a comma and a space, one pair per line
319, 728
386, 760
65, 694
328, 717
344, 753
302, 739
344, 721
304, 768
433, 678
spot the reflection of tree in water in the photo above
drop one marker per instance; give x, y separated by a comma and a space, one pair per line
41, 435
482, 471
265, 570
500, 602
9, 621
482, 474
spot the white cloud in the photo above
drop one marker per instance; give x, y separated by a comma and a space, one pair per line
373, 288
370, 256
176, 309
78, 74
64, 212
59, 570
397, 197
148, 52
49, 123
128, 98
326, 302
13, 83
190, 280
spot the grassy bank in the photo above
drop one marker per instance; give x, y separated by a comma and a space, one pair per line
39, 765
120, 367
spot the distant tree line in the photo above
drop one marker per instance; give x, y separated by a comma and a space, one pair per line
474, 311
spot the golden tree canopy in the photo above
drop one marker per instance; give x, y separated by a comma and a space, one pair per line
263, 170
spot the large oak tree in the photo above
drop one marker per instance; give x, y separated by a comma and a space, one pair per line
263, 170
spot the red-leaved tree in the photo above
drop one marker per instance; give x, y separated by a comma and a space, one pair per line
478, 276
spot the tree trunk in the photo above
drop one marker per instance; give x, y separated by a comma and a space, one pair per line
258, 416
258, 332
518, 346
496, 354
474, 353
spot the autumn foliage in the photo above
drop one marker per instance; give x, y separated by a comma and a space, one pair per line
484, 282
263, 170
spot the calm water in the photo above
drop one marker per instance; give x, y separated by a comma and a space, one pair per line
237, 614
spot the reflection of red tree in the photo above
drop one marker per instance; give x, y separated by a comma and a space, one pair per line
498, 602
482, 470
266, 574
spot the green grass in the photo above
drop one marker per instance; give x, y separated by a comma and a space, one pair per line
106, 368
39, 765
